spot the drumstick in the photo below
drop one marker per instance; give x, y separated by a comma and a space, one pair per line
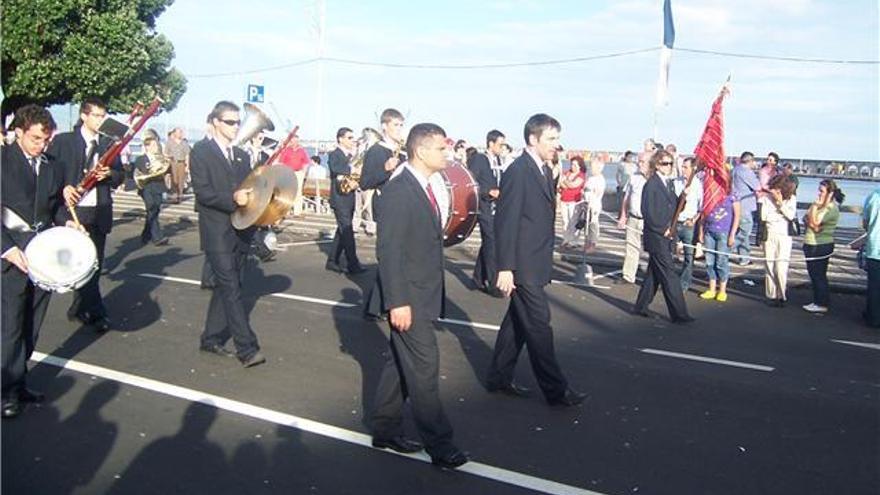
73, 215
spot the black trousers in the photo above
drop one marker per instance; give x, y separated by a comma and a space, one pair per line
152, 204
226, 314
818, 270
486, 269
412, 372
88, 304
661, 271
527, 322
24, 307
343, 241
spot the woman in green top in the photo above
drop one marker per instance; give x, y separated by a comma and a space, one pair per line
821, 220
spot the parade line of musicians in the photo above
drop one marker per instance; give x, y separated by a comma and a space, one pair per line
517, 212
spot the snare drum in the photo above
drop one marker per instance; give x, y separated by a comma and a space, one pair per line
458, 200
61, 259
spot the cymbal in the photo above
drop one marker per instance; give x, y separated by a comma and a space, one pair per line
273, 191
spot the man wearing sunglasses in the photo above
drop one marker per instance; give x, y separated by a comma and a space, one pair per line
217, 170
343, 204
658, 207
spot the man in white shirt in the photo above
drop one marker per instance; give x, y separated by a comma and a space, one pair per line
688, 217
631, 219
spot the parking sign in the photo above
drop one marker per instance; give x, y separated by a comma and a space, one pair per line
255, 94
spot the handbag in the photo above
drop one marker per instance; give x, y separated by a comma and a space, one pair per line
582, 219
761, 235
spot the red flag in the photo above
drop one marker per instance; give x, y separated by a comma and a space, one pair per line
710, 151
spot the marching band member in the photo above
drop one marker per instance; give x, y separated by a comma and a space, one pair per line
524, 229
152, 190
217, 170
486, 169
78, 152
410, 254
31, 197
343, 204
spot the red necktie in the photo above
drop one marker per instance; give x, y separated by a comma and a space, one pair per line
433, 200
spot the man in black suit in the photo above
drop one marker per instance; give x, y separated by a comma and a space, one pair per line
524, 229
217, 170
410, 253
31, 197
78, 152
658, 207
339, 163
486, 169
380, 161
152, 190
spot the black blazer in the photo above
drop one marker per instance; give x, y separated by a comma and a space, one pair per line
524, 222
373, 174
214, 180
339, 164
69, 149
410, 249
35, 199
482, 170
658, 206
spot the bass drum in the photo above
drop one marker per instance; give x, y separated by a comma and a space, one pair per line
61, 259
458, 200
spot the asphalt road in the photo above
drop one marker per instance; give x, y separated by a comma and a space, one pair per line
748, 399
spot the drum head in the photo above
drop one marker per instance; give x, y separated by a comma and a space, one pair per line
61, 259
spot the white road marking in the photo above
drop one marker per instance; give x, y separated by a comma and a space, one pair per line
303, 243
694, 357
858, 344
325, 302
303, 424
569, 282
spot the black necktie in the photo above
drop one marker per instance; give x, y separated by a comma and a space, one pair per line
230, 157
670, 184
548, 175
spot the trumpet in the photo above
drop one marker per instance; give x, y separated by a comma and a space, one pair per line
349, 183
158, 167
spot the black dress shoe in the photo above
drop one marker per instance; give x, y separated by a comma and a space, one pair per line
571, 398
267, 257
256, 359
357, 270
217, 349
398, 444
11, 408
101, 324
333, 267
641, 312
31, 396
451, 460
511, 389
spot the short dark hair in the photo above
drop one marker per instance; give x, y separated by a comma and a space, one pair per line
508, 146
537, 124
493, 135
220, 108
390, 114
419, 133
746, 156
459, 144
690, 159
342, 132
31, 115
469, 152
656, 157
316, 159
91, 102
774, 155
628, 154
785, 185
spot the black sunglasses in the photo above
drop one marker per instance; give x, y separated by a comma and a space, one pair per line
666, 163
230, 122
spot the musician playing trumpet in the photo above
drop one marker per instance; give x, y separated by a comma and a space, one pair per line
150, 169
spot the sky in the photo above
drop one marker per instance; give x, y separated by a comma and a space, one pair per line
805, 110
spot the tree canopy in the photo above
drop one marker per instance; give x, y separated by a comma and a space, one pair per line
61, 51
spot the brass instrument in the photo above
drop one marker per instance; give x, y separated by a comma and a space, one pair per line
159, 166
349, 183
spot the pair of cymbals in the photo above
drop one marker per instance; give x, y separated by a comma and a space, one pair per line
273, 189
